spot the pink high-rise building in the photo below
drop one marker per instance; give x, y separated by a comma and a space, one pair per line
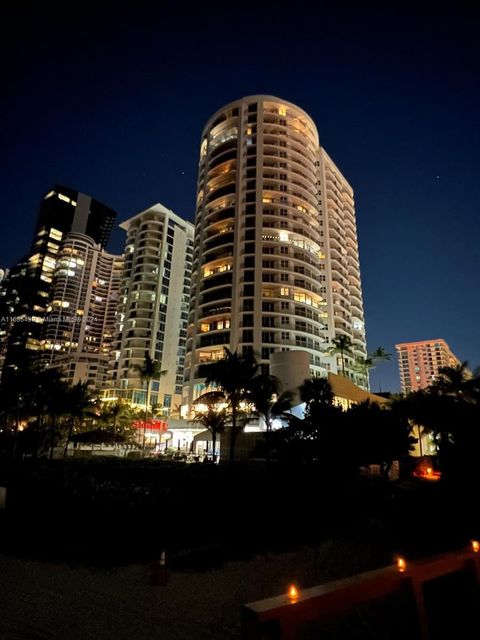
420, 362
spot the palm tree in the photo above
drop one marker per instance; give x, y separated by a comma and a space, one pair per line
150, 370
80, 403
268, 403
379, 355
342, 345
51, 400
233, 376
214, 417
116, 416
454, 380
317, 390
363, 366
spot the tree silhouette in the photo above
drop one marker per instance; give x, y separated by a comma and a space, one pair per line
233, 375
213, 417
343, 346
268, 403
363, 366
148, 371
80, 403
379, 355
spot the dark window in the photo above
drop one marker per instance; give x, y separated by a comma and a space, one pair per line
248, 305
249, 276
247, 319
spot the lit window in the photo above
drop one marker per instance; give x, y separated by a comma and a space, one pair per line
204, 327
284, 291
64, 198
56, 234
282, 111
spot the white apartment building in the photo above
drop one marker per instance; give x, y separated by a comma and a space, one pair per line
152, 313
78, 330
275, 263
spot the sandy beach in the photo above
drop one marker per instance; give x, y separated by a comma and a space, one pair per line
44, 601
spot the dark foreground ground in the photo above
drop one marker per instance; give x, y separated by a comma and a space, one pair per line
78, 540
41, 600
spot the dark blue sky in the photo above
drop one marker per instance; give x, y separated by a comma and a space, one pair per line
112, 101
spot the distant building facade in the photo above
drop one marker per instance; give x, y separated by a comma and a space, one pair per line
152, 313
419, 362
77, 335
25, 292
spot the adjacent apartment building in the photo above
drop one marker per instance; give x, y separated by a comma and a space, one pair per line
420, 362
275, 262
77, 334
152, 313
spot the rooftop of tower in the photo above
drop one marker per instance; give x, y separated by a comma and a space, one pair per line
259, 98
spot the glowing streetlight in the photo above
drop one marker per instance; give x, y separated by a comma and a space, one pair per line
475, 546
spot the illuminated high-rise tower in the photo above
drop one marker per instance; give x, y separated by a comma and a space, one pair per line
420, 362
26, 290
152, 312
77, 335
275, 264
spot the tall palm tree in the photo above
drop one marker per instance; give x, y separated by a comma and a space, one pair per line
268, 402
233, 376
453, 380
213, 417
379, 355
51, 400
114, 414
80, 403
150, 370
343, 346
363, 366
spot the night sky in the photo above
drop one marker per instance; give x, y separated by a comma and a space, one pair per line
111, 101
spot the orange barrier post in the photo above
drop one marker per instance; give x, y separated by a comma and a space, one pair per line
159, 575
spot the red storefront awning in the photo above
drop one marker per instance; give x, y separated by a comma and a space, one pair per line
151, 425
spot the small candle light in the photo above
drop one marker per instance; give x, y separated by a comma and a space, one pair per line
292, 593
475, 546
401, 564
